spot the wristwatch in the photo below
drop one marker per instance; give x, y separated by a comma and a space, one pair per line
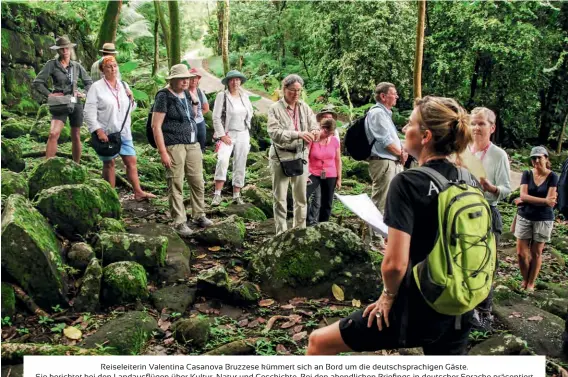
387, 293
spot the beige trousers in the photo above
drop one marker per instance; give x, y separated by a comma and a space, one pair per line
187, 161
280, 185
382, 172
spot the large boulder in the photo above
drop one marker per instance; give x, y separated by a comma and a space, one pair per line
504, 344
307, 262
80, 255
40, 132
56, 171
8, 300
178, 256
215, 282
123, 283
12, 128
109, 198
356, 169
230, 232
74, 209
149, 251
247, 211
11, 156
88, 298
175, 299
14, 183
125, 335
262, 198
192, 330
110, 225
539, 328
30, 253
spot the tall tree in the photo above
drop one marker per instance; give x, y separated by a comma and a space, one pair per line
109, 26
164, 25
419, 49
220, 16
155, 65
175, 33
225, 47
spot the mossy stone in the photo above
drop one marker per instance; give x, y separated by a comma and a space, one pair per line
230, 232
209, 162
56, 171
260, 197
139, 130
80, 255
309, 261
74, 209
111, 225
124, 283
12, 156
8, 301
89, 295
152, 171
125, 335
247, 211
14, 183
109, 198
30, 253
149, 251
356, 169
174, 299
246, 293
40, 132
214, 282
192, 330
13, 128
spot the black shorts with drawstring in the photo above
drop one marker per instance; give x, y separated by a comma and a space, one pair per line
436, 333
75, 118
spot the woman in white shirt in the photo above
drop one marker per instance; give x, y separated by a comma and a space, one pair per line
105, 111
232, 115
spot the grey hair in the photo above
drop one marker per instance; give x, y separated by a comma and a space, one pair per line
291, 79
72, 55
488, 114
382, 88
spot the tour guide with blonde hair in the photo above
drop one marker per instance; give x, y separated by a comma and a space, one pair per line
401, 318
292, 126
175, 132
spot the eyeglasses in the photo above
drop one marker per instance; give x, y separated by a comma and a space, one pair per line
294, 90
536, 158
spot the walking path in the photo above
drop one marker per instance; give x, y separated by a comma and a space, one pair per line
210, 83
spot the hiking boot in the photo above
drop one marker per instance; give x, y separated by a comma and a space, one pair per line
203, 222
183, 230
482, 321
217, 199
238, 200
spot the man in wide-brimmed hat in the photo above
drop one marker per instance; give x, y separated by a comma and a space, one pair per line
108, 49
327, 112
63, 72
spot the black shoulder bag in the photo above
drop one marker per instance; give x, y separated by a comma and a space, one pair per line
64, 105
112, 146
295, 167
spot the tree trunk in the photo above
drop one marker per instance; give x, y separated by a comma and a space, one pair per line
175, 33
561, 135
419, 49
155, 65
225, 51
14, 352
163, 25
473, 84
107, 32
220, 16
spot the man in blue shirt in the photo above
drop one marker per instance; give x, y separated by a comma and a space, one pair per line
387, 155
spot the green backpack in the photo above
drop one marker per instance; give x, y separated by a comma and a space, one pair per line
457, 274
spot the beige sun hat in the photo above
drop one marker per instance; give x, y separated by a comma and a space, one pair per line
62, 42
327, 109
179, 71
109, 48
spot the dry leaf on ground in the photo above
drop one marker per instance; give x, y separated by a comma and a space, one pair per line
214, 248
288, 307
356, 303
299, 336
266, 302
337, 292
72, 333
535, 318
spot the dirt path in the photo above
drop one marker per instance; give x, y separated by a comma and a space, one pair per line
210, 83
515, 179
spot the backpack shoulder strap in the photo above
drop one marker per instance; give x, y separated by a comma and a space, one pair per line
465, 176
440, 181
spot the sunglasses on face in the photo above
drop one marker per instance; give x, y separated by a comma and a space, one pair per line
536, 158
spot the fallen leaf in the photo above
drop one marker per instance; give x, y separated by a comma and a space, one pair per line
201, 256
271, 322
305, 312
356, 303
288, 307
253, 324
165, 325
243, 323
337, 292
297, 329
214, 248
297, 300
266, 302
516, 314
261, 320
72, 333
299, 336
280, 348
535, 318
287, 325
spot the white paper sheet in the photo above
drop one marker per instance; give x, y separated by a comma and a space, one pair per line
362, 206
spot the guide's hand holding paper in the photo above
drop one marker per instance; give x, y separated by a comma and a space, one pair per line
362, 206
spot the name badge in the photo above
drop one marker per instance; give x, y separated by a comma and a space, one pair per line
192, 137
73, 100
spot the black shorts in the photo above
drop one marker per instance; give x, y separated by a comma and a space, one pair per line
435, 333
75, 118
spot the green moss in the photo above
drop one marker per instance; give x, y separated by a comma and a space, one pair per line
111, 225
109, 198
241, 225
247, 293
14, 183
40, 132
195, 330
254, 214
8, 300
209, 162
124, 282
56, 171
13, 129
11, 155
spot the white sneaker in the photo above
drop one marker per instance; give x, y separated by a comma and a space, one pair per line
203, 222
183, 230
217, 199
238, 200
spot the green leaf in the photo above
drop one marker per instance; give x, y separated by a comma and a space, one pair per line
254, 98
139, 95
128, 67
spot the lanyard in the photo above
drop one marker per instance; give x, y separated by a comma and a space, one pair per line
484, 151
293, 116
113, 91
185, 106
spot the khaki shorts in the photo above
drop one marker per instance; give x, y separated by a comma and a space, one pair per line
538, 231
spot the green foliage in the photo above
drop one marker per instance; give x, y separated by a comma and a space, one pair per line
6, 321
